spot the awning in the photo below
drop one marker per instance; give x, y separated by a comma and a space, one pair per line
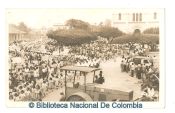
80, 68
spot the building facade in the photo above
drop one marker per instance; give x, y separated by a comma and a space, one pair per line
128, 20
15, 34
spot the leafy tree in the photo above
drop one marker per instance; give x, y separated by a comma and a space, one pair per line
72, 36
142, 38
151, 31
82, 32
77, 24
22, 26
108, 32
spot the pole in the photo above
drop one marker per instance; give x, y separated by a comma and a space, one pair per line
74, 78
65, 83
84, 82
93, 76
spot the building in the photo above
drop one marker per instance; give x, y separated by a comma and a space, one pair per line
15, 34
128, 20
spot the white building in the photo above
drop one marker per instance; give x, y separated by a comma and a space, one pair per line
127, 20
15, 34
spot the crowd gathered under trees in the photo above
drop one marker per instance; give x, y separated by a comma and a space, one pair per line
39, 70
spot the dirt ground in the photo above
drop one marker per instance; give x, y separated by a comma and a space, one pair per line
120, 80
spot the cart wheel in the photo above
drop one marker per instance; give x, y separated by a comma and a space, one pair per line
79, 96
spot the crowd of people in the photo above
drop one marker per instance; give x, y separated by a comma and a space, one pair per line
32, 73
146, 72
34, 70
33, 78
99, 49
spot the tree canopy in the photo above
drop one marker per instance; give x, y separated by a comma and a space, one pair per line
72, 36
108, 32
142, 38
77, 24
151, 31
22, 26
82, 32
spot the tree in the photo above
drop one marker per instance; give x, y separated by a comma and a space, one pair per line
151, 31
100, 24
136, 31
142, 38
72, 36
82, 32
22, 26
77, 24
108, 32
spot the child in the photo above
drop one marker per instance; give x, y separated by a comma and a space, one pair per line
27, 93
56, 82
22, 95
33, 91
36, 73
38, 94
61, 80
39, 82
20, 76
16, 97
10, 96
51, 83
44, 88
19, 88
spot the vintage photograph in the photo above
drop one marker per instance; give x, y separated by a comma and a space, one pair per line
83, 55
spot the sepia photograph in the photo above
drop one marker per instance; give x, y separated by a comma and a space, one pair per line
84, 55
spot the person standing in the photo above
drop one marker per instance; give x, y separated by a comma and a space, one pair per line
122, 66
139, 71
127, 66
132, 69
143, 74
101, 79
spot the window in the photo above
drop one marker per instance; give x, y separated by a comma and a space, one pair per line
137, 17
133, 17
140, 17
119, 16
155, 15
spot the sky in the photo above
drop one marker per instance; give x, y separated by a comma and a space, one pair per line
38, 18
